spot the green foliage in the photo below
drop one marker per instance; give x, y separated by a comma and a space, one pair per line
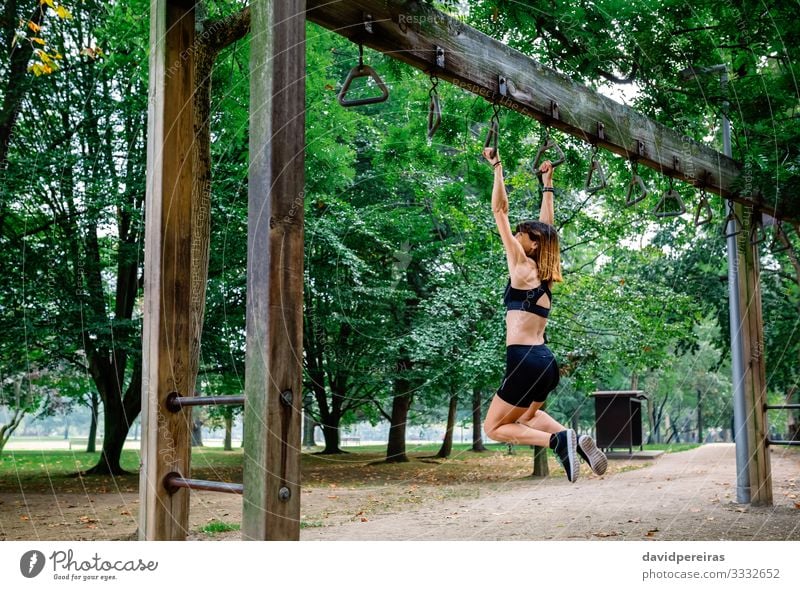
403, 265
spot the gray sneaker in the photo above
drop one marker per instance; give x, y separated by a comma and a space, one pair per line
592, 455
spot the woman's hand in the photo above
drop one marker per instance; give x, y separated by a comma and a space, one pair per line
487, 153
547, 173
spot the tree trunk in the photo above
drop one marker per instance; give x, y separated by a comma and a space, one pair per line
331, 433
16, 86
477, 422
119, 412
699, 416
540, 466
115, 429
228, 431
6, 430
447, 443
91, 445
396, 449
309, 425
197, 432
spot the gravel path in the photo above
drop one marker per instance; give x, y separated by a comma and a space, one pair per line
680, 496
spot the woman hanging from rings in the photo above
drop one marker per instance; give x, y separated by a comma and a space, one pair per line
534, 264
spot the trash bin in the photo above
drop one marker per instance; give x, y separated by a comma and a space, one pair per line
618, 419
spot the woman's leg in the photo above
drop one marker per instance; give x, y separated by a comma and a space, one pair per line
540, 420
500, 425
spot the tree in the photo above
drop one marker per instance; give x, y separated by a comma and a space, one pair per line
18, 398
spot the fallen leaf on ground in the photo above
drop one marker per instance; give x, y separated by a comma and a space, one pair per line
611, 534
651, 532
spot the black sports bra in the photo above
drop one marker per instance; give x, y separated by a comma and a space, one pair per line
527, 299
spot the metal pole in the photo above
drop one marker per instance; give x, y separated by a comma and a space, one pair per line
734, 305
734, 308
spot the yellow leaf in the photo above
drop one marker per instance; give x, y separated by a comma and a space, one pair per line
36, 69
49, 3
38, 40
34, 27
63, 12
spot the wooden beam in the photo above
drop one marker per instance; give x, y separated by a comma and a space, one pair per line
166, 331
755, 375
410, 32
273, 360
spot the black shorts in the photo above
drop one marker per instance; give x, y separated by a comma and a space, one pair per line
531, 373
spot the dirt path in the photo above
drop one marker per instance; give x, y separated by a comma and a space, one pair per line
680, 496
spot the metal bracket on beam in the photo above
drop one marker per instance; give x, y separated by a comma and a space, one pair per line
439, 57
640, 149
367, 19
601, 131
554, 111
502, 85
676, 164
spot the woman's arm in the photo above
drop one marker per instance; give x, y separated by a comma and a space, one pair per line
514, 252
546, 212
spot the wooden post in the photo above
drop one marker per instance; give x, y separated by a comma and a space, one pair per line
273, 360
166, 331
755, 383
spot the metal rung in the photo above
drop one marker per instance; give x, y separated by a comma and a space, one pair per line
174, 481
783, 407
788, 443
176, 402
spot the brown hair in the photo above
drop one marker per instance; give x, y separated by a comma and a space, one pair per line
547, 255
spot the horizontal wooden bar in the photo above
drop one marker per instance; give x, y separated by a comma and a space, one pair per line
783, 407
174, 481
175, 403
412, 32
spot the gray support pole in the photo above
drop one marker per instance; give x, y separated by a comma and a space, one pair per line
734, 307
